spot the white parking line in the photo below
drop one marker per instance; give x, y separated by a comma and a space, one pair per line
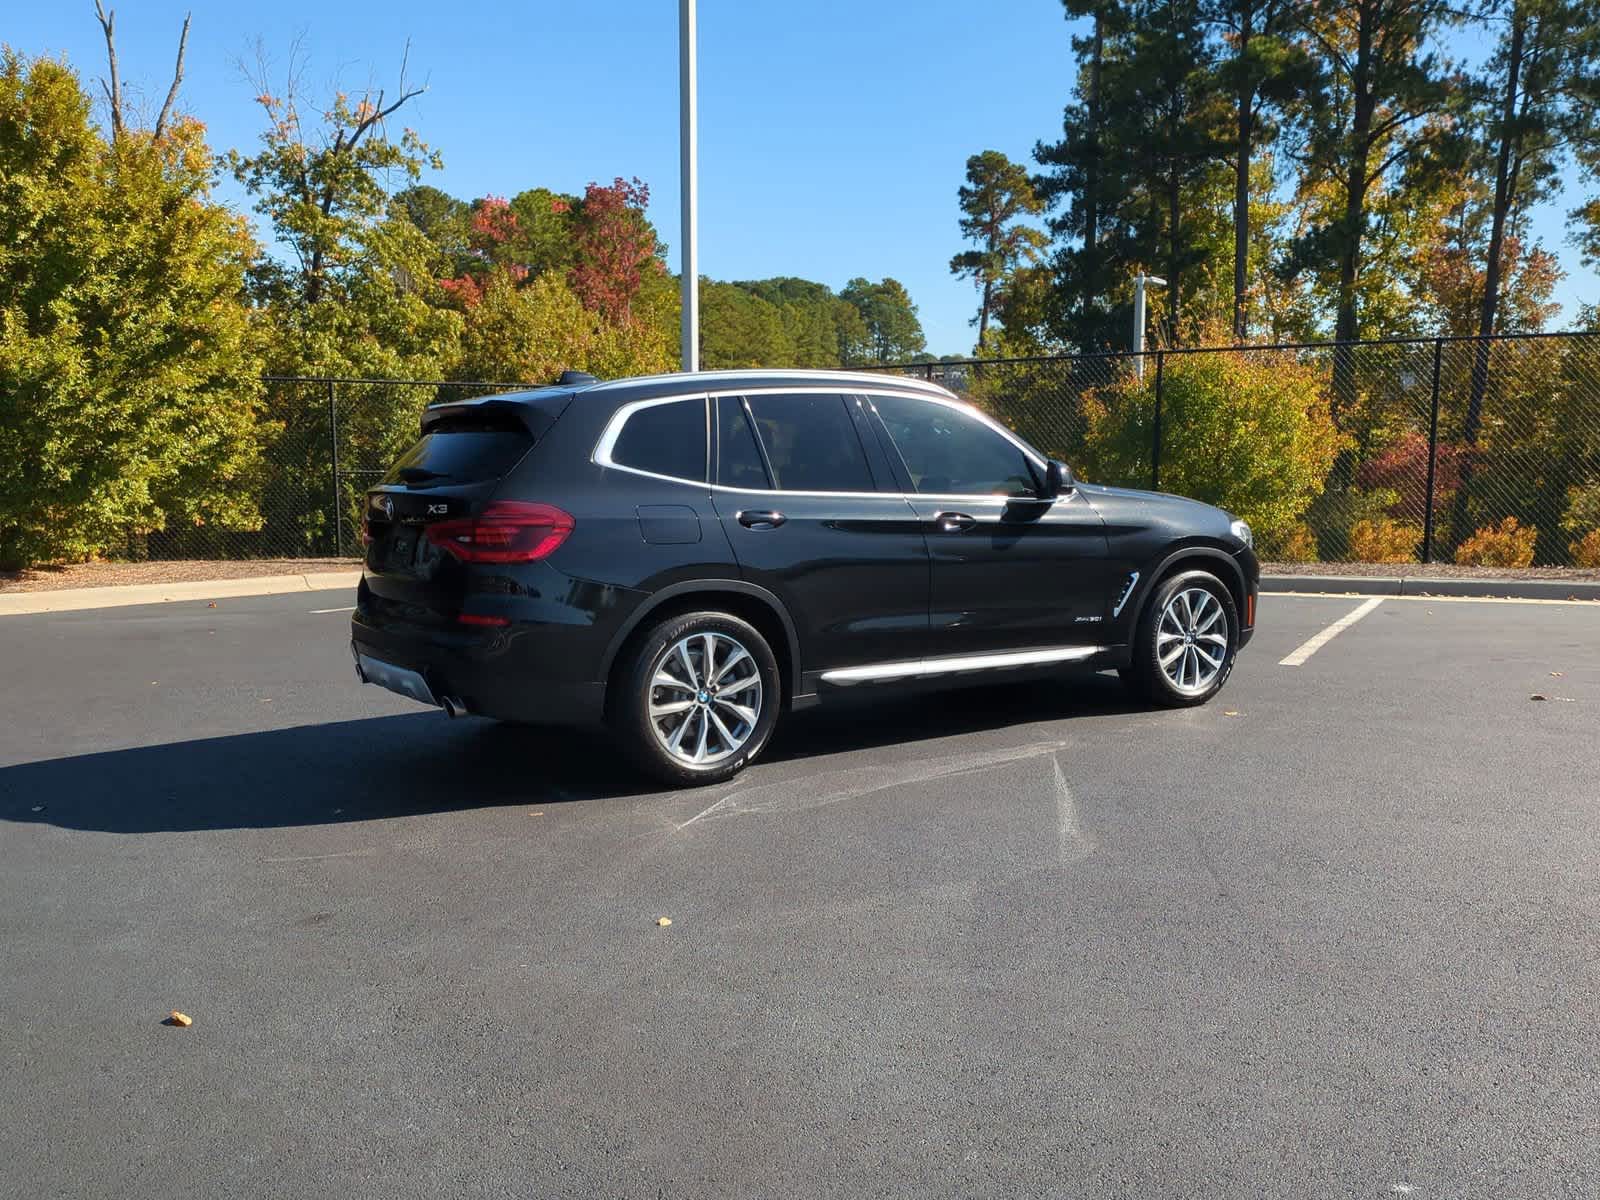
1312, 645
317, 612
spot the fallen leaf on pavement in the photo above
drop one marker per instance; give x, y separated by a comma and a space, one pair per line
213, 604
1230, 712
663, 921
181, 1020
1557, 674
1536, 696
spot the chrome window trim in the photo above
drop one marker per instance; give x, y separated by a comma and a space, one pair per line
917, 668
604, 448
728, 487
613, 430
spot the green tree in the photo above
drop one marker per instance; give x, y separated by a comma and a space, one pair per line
1075, 172
1534, 87
1373, 125
822, 326
128, 378
741, 329
889, 331
1262, 68
445, 221
357, 294
997, 193
544, 238
1154, 149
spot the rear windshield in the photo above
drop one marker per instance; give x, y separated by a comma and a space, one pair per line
462, 451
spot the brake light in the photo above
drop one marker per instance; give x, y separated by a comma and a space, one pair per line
507, 531
482, 619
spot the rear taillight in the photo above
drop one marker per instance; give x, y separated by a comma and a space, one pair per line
507, 531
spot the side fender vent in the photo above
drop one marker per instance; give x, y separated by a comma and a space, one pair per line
1127, 590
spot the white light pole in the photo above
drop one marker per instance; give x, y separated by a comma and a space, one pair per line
689, 162
1138, 314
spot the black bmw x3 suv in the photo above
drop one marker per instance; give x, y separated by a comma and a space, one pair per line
684, 557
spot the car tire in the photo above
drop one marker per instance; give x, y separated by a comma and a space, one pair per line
682, 728
1175, 639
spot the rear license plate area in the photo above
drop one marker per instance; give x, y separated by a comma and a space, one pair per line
402, 547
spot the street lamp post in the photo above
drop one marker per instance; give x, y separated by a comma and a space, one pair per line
1139, 282
688, 150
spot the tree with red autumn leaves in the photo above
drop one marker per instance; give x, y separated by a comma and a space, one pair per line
614, 247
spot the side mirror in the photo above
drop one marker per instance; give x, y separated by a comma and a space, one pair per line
1057, 479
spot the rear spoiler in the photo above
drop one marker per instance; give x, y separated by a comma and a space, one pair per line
534, 411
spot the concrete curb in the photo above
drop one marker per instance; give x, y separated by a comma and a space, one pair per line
1486, 589
15, 604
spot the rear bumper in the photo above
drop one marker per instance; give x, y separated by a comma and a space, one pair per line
397, 679
492, 675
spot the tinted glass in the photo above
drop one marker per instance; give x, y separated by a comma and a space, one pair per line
461, 452
949, 452
665, 439
811, 443
738, 458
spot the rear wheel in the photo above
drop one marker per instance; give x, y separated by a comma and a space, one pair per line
698, 699
1187, 637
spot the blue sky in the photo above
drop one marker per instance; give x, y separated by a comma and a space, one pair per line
833, 135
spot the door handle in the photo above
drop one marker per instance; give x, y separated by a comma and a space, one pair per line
764, 518
954, 522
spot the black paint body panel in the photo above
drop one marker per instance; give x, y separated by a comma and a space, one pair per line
843, 580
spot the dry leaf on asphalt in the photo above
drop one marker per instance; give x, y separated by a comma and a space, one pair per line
663, 921
1536, 696
181, 1020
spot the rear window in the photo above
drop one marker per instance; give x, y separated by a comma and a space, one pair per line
467, 450
665, 439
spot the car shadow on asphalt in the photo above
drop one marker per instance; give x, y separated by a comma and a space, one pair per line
382, 767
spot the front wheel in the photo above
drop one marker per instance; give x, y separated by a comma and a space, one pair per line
699, 698
1186, 641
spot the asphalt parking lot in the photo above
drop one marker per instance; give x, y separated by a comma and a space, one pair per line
1332, 935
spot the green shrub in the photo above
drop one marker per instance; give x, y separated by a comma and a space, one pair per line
1252, 436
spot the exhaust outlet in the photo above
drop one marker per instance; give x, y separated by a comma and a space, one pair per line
453, 708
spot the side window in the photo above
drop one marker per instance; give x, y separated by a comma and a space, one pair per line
738, 457
949, 452
811, 443
665, 439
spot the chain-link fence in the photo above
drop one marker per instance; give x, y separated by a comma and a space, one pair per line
326, 442
1471, 450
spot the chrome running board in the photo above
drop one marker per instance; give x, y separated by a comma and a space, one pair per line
920, 668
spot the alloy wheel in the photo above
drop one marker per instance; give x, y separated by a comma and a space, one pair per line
1192, 640
705, 698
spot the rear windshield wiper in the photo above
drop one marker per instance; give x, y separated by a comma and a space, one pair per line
420, 474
